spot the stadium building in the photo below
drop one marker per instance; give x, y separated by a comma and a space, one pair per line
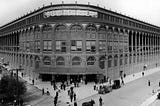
78, 41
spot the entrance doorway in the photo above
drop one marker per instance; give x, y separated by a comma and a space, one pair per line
46, 77
91, 77
60, 78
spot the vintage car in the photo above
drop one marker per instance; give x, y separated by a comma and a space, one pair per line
105, 89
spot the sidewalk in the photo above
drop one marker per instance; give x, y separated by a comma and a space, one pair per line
84, 91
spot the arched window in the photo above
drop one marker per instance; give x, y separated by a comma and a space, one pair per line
60, 28
47, 31
37, 61
27, 60
76, 61
23, 60
20, 59
76, 32
37, 32
60, 61
91, 31
126, 59
102, 28
47, 27
130, 58
102, 62
60, 32
91, 60
91, 27
31, 61
76, 28
47, 60
134, 58
121, 60
109, 61
115, 60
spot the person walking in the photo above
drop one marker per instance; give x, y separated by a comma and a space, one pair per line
75, 103
71, 97
57, 94
42, 91
100, 101
159, 83
21, 102
74, 96
149, 83
94, 87
142, 73
55, 101
33, 81
122, 82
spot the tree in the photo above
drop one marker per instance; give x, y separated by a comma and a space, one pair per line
8, 88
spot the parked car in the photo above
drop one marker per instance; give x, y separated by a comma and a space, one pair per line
105, 89
116, 84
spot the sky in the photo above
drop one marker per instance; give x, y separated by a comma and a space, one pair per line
144, 10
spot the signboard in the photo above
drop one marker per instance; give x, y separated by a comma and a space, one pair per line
70, 12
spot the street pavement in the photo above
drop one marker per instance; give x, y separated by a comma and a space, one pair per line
133, 93
155, 103
34, 97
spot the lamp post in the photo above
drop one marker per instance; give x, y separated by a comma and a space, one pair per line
17, 84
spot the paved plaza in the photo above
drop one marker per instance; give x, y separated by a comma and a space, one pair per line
133, 93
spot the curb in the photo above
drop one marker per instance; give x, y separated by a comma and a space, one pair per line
150, 100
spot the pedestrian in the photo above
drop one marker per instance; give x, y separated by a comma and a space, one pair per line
54, 86
149, 83
124, 75
74, 95
71, 97
57, 93
100, 101
33, 81
142, 73
55, 101
75, 103
64, 86
77, 84
159, 83
22, 74
110, 81
42, 91
74, 84
21, 102
122, 82
94, 87
92, 102
68, 92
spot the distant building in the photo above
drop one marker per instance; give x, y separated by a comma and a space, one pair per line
74, 41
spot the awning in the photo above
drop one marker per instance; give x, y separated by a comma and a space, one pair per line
67, 70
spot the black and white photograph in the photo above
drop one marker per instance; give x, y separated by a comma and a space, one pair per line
79, 52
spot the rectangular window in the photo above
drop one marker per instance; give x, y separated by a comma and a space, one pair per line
109, 49
115, 62
76, 45
102, 46
109, 63
125, 60
61, 46
91, 46
27, 46
47, 45
121, 61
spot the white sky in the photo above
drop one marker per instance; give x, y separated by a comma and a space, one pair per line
145, 10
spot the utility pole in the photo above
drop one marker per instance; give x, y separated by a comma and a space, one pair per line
17, 96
